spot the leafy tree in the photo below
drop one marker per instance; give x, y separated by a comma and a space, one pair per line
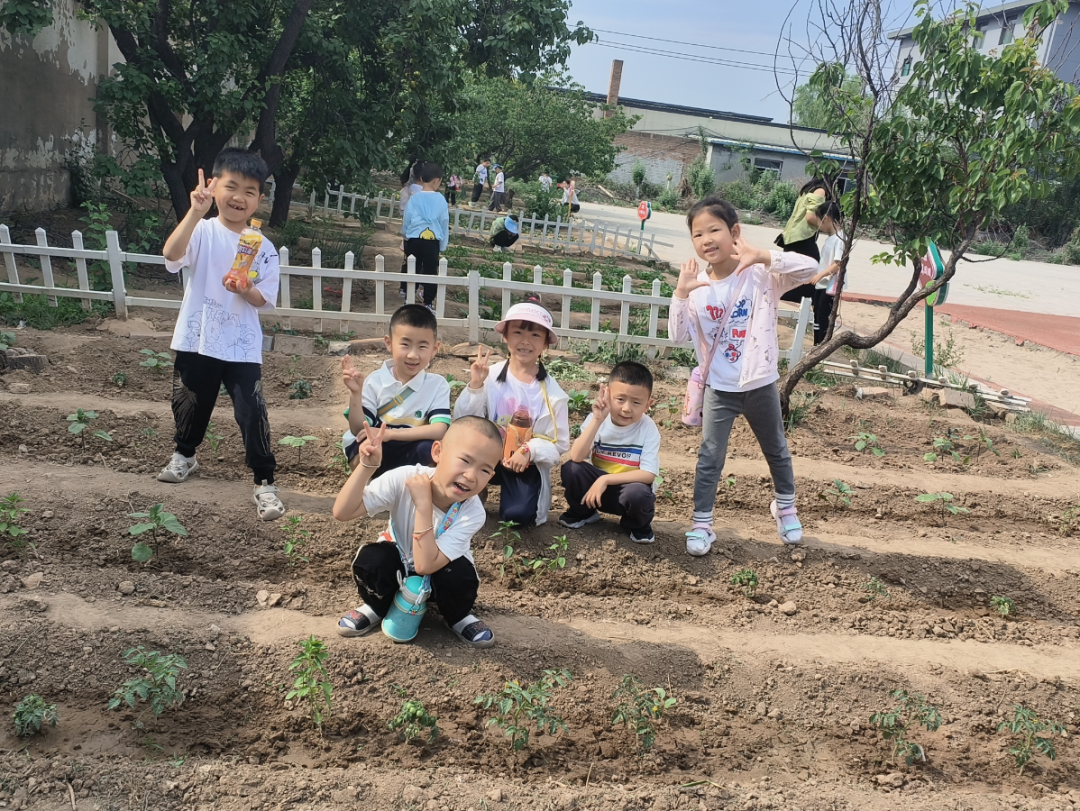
968, 135
543, 124
811, 107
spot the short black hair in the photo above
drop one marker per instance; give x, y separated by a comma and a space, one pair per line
719, 208
241, 162
430, 171
414, 315
632, 374
830, 209
481, 424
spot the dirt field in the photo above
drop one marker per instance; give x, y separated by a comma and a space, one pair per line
773, 708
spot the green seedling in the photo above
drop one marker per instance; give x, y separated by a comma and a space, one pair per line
455, 384
154, 520
157, 686
839, 493
158, 361
32, 714
300, 390
213, 437
874, 588
297, 442
944, 499
913, 710
295, 539
1068, 521
412, 720
120, 379
556, 561
1034, 735
729, 487
748, 579
11, 533
864, 440
985, 442
508, 536
640, 710
312, 684
519, 708
1003, 605
944, 445
7, 340
579, 400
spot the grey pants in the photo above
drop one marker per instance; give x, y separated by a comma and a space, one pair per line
761, 407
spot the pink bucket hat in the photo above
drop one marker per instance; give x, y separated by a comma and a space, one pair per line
534, 314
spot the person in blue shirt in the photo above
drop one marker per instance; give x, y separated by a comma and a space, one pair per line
427, 229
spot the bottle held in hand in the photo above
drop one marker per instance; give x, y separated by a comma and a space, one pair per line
243, 267
518, 432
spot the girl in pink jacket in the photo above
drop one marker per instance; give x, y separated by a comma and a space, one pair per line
729, 311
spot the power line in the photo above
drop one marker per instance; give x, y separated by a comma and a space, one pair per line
694, 58
681, 42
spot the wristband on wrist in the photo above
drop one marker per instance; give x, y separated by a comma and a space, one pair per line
422, 533
370, 467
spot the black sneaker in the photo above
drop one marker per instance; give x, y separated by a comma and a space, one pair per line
568, 521
355, 623
476, 633
643, 536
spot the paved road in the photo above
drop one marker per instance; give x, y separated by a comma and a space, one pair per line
1029, 287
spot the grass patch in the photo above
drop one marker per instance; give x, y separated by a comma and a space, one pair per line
1051, 437
35, 311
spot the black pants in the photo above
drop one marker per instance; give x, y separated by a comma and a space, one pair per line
574, 208
805, 247
453, 587
635, 502
477, 190
196, 381
451, 196
823, 303
504, 239
397, 454
520, 494
426, 252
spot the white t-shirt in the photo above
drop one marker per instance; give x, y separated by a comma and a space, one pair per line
388, 493
626, 448
545, 182
512, 395
428, 402
213, 321
481, 174
831, 251
728, 358
500, 182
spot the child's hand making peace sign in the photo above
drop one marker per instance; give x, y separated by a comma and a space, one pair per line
601, 406
354, 378
479, 369
371, 447
203, 195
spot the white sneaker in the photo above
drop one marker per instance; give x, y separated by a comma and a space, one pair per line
267, 503
788, 525
699, 541
178, 469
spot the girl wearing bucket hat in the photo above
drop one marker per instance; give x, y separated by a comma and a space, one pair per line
520, 396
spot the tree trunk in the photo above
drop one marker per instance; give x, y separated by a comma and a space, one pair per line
284, 177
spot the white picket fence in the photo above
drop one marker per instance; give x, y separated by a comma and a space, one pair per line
597, 237
466, 315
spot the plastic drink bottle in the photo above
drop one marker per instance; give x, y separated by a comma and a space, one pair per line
518, 432
242, 271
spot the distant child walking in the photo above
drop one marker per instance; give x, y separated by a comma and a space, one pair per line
480, 179
498, 189
830, 221
729, 311
452, 189
427, 229
218, 337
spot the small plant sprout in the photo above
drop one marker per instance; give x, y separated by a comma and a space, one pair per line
748, 579
158, 361
120, 379
300, 390
508, 536
519, 708
942, 445
579, 400
874, 589
1003, 605
312, 684
295, 539
7, 340
640, 710
985, 442
864, 440
1035, 735
1068, 521
838, 494
213, 437
32, 714
413, 720
913, 710
455, 384
11, 534
157, 685
945, 500
729, 486
154, 520
80, 421
556, 561
297, 442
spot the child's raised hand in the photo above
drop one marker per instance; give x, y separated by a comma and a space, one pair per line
688, 279
203, 196
371, 447
479, 369
354, 378
749, 254
419, 487
601, 406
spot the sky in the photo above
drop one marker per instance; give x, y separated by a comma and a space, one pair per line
718, 24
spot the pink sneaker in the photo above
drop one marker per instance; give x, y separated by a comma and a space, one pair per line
788, 524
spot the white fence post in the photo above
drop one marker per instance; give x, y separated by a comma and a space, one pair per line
594, 314
410, 286
346, 292
46, 265
444, 290
380, 286
316, 286
508, 276
624, 309
654, 318
567, 282
80, 267
284, 286
9, 260
800, 333
116, 270
474, 306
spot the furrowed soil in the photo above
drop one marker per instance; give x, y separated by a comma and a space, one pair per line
774, 690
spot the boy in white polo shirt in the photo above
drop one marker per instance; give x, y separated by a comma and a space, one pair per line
615, 461
413, 403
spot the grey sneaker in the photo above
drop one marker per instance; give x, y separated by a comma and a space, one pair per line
178, 469
267, 503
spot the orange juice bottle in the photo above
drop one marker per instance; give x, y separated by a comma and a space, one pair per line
518, 432
242, 267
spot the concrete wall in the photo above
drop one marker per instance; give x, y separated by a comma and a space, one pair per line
727, 165
661, 154
46, 87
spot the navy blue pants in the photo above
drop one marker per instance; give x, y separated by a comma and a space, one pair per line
453, 588
520, 494
634, 502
